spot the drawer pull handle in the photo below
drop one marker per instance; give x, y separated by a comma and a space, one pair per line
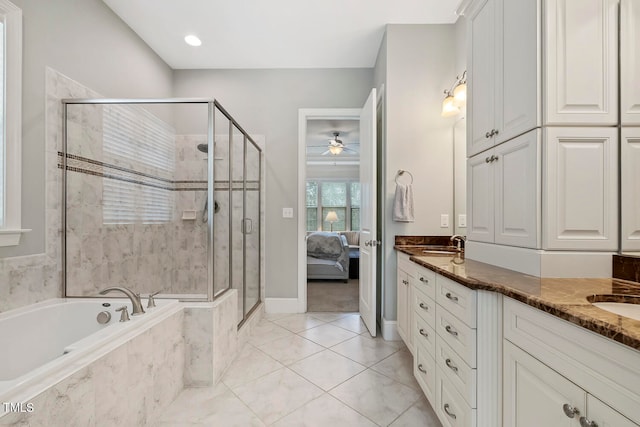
451, 297
451, 366
570, 411
405, 282
421, 369
423, 333
451, 414
451, 331
587, 423
424, 280
424, 307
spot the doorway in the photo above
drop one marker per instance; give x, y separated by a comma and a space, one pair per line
329, 210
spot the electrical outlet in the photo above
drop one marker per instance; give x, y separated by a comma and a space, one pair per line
444, 221
462, 220
287, 212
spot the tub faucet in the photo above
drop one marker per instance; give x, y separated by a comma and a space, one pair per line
458, 239
135, 298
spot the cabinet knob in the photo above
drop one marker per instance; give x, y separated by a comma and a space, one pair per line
423, 280
451, 297
423, 333
424, 307
488, 135
587, 423
451, 366
494, 132
487, 160
421, 369
494, 158
449, 329
570, 411
451, 414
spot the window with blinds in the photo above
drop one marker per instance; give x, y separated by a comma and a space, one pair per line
142, 147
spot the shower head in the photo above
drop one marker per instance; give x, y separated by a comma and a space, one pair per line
203, 147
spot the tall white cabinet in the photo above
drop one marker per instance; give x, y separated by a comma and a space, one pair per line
630, 120
543, 79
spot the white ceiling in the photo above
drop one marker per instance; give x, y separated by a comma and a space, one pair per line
274, 33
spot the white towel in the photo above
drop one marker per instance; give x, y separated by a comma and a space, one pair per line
403, 203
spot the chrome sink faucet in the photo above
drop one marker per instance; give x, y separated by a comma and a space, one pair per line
457, 240
135, 298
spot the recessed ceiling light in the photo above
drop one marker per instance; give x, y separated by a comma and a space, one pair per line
192, 40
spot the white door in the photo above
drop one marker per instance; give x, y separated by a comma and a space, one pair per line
368, 203
536, 395
517, 191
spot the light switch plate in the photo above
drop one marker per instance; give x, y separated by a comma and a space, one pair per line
444, 221
462, 220
287, 212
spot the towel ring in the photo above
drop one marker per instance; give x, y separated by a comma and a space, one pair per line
402, 172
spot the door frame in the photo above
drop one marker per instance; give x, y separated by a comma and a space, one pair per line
305, 114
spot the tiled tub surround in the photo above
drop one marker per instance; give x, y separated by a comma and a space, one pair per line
563, 298
125, 381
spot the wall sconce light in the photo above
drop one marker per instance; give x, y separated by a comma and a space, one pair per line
456, 97
332, 217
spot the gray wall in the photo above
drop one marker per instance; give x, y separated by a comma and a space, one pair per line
419, 66
266, 102
86, 41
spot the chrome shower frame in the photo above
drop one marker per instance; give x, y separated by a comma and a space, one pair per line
212, 106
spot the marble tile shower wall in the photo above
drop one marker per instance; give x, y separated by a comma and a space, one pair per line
128, 204
29, 279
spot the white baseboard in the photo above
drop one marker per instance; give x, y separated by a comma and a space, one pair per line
389, 330
281, 305
542, 263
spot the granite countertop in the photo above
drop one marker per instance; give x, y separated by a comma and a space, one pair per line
564, 298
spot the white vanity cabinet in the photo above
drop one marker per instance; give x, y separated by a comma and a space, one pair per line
503, 190
504, 71
559, 374
629, 62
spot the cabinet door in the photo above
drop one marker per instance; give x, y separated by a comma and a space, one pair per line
629, 62
481, 71
581, 67
630, 191
581, 189
517, 191
518, 59
535, 395
601, 415
480, 198
403, 310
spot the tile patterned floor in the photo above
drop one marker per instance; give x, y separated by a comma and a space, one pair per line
313, 369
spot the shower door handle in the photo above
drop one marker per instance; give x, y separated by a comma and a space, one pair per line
247, 226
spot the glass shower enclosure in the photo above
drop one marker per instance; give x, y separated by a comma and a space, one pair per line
161, 196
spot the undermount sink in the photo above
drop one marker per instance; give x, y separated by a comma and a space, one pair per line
622, 305
444, 250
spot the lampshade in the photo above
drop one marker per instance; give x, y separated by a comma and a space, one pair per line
460, 95
448, 107
335, 149
332, 216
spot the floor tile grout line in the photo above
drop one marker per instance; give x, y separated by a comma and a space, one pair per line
245, 404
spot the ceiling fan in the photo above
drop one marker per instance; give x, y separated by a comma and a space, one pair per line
336, 146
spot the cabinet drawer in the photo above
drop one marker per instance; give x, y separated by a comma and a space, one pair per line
426, 281
424, 369
424, 333
424, 306
406, 265
458, 373
458, 299
460, 337
451, 408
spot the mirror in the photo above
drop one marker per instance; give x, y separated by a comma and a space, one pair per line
460, 176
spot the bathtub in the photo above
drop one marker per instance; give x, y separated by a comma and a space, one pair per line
44, 342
